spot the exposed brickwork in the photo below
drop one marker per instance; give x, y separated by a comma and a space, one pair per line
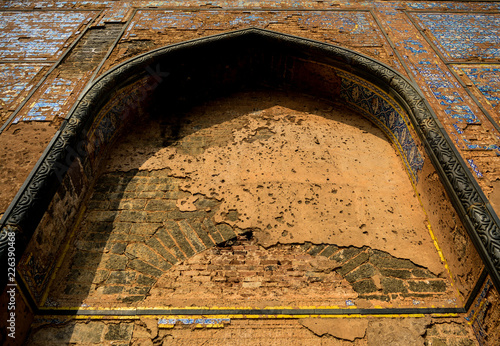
91, 49
448, 334
240, 272
134, 232
138, 254
90, 333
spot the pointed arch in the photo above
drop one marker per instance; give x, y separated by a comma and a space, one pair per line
205, 67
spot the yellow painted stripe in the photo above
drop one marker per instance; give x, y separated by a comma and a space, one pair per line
474, 317
240, 316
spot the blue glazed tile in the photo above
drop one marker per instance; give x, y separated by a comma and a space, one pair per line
487, 80
461, 36
361, 96
189, 321
475, 169
39, 35
51, 102
16, 78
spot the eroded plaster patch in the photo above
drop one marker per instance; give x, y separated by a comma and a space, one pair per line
295, 170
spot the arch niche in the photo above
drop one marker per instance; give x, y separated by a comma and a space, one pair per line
170, 78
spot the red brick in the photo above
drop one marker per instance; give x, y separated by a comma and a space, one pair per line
191, 272
201, 278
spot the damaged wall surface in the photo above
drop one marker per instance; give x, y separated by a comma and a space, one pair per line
249, 181
282, 168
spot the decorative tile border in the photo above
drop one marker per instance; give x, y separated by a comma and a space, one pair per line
454, 6
196, 322
388, 116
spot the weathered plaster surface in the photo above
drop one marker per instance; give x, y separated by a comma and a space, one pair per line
320, 193
294, 171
